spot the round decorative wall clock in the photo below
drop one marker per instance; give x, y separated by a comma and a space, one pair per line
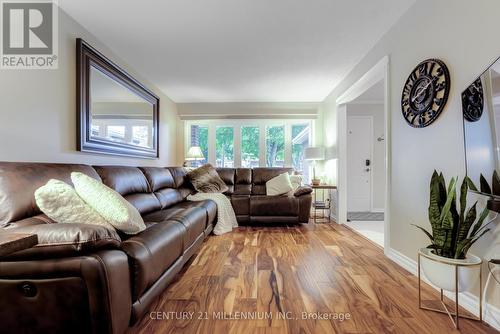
473, 101
425, 93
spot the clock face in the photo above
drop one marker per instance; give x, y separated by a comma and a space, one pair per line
473, 101
425, 93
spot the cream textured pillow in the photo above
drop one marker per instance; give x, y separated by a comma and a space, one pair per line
108, 203
279, 185
60, 202
296, 181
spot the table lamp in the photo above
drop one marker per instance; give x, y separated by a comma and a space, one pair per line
314, 154
194, 154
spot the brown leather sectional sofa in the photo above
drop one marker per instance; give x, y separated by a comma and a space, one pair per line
83, 278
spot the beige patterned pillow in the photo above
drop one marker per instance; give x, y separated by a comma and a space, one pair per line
279, 185
60, 202
206, 180
108, 203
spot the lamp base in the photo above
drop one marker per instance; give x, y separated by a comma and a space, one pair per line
316, 182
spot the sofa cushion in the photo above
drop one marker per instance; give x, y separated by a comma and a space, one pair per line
160, 216
209, 206
274, 206
227, 175
194, 220
243, 181
109, 204
35, 220
131, 183
169, 197
123, 179
152, 252
241, 204
162, 183
158, 178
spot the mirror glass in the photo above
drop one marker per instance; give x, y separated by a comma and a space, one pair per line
118, 114
481, 113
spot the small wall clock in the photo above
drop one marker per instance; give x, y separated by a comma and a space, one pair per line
473, 101
425, 93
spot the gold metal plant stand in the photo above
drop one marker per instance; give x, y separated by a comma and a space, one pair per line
446, 311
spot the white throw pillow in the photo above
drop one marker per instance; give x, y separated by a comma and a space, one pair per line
296, 181
108, 203
60, 202
279, 185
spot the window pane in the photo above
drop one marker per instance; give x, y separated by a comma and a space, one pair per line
300, 140
199, 137
140, 135
116, 132
94, 130
275, 146
224, 149
249, 146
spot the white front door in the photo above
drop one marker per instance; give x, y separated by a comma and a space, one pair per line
359, 163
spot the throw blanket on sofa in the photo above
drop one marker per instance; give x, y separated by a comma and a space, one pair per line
226, 218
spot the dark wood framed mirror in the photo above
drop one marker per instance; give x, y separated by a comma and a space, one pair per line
116, 114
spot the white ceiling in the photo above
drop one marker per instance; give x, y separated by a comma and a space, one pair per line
240, 50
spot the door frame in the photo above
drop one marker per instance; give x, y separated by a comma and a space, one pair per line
381, 71
371, 153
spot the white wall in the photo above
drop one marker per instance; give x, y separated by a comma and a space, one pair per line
376, 111
38, 109
464, 34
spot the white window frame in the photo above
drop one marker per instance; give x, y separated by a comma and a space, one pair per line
212, 124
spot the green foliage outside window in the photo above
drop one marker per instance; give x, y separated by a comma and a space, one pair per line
203, 138
250, 146
275, 146
224, 146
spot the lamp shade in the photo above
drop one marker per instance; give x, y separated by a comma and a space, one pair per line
314, 153
331, 153
194, 153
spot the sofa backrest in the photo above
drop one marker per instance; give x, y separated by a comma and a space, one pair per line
165, 186
131, 183
227, 175
147, 188
243, 181
261, 175
19, 180
248, 181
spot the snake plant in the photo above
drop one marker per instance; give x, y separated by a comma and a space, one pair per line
453, 231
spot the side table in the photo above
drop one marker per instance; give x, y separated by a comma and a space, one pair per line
322, 205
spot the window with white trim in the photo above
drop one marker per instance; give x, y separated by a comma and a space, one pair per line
251, 143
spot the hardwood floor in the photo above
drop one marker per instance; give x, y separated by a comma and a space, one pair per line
317, 269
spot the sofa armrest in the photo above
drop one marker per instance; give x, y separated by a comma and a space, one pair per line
302, 190
305, 202
92, 290
63, 240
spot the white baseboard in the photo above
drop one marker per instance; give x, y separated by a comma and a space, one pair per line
491, 314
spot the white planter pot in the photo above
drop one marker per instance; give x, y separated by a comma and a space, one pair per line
440, 271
